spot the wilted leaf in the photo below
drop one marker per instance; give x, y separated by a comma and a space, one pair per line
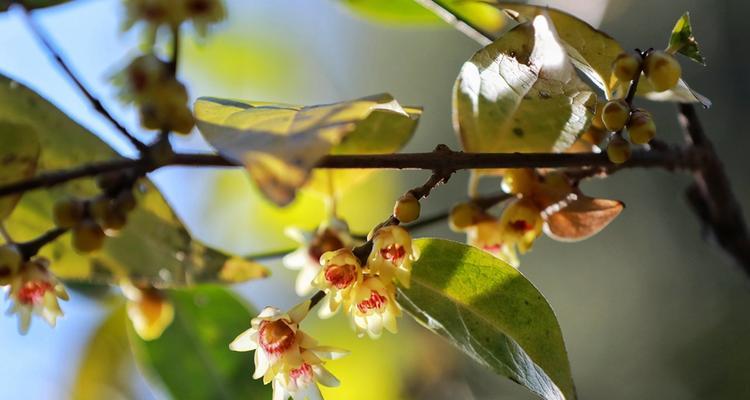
192, 358
580, 218
280, 144
521, 94
683, 41
487, 309
153, 249
106, 369
19, 154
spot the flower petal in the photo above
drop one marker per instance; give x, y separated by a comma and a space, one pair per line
245, 341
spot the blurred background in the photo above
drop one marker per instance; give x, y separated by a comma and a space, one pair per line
648, 309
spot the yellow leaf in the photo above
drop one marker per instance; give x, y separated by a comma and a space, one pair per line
19, 155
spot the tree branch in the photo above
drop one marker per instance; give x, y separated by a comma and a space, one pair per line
95, 102
711, 195
31, 248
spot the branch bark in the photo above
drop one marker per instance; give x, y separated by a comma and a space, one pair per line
711, 196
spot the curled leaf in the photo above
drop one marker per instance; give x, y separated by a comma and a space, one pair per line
580, 217
280, 144
521, 94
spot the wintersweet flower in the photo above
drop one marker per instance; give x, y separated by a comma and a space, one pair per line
392, 254
330, 236
339, 273
374, 307
149, 309
285, 355
35, 290
520, 224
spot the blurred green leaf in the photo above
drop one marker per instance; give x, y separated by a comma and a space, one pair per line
153, 249
487, 309
31, 4
192, 358
106, 369
521, 94
19, 155
398, 11
280, 144
683, 41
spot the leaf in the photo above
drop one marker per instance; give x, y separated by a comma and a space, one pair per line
683, 41
31, 4
487, 309
192, 358
681, 93
154, 248
382, 132
581, 218
279, 144
106, 368
521, 94
19, 155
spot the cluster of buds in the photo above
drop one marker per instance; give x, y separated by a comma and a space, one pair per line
91, 220
32, 288
172, 13
162, 100
285, 355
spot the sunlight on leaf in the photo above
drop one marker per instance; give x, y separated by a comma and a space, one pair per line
488, 310
191, 359
521, 94
166, 255
280, 144
19, 155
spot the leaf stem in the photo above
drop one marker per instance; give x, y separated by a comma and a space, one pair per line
95, 102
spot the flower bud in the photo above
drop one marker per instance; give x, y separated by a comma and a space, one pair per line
615, 114
618, 150
625, 67
88, 236
662, 70
68, 213
406, 208
463, 215
641, 127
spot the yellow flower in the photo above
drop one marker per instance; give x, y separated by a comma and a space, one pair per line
487, 234
374, 307
35, 290
330, 236
285, 355
340, 272
392, 254
150, 311
520, 224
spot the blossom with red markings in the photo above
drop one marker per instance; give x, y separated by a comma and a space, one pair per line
35, 290
520, 224
285, 355
330, 236
374, 307
340, 271
392, 254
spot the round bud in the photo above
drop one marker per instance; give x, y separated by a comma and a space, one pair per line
183, 121
662, 70
615, 114
88, 236
462, 216
406, 208
10, 262
99, 207
625, 67
641, 127
67, 213
618, 150
125, 201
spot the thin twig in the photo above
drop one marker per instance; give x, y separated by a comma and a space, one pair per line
31, 248
95, 102
711, 194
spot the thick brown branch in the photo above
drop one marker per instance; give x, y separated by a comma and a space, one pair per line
711, 194
95, 102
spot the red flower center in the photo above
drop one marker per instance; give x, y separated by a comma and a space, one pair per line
375, 302
33, 292
275, 337
492, 247
521, 225
341, 276
304, 371
393, 252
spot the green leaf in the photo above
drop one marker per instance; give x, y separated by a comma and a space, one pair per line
521, 94
31, 4
192, 358
487, 309
280, 144
106, 369
153, 249
683, 41
19, 155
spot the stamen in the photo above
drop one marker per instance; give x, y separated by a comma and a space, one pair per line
375, 302
275, 337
